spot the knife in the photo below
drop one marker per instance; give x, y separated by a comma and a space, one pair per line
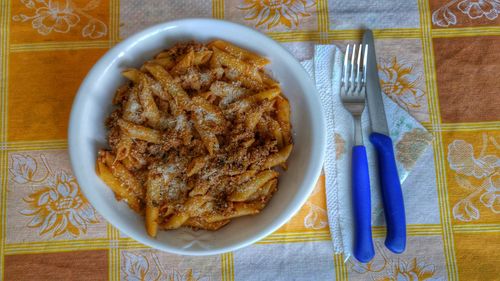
392, 196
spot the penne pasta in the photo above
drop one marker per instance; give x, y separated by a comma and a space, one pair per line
176, 221
150, 109
164, 54
132, 109
132, 74
253, 118
243, 192
179, 96
202, 57
190, 208
104, 172
239, 210
167, 62
278, 157
132, 163
236, 65
283, 118
206, 95
275, 129
240, 53
140, 132
152, 215
196, 165
123, 147
268, 81
119, 171
268, 94
224, 89
245, 81
255, 115
195, 137
264, 193
166, 209
153, 197
207, 136
186, 62
201, 188
208, 113
121, 94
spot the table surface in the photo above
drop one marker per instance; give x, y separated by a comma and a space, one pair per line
437, 59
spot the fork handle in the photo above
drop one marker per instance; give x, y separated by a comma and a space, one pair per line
392, 196
363, 244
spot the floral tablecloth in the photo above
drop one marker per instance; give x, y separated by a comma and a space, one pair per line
437, 59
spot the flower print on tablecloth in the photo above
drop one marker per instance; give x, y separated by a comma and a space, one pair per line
468, 170
61, 16
56, 205
399, 80
272, 13
23, 169
448, 14
412, 270
385, 268
316, 217
146, 266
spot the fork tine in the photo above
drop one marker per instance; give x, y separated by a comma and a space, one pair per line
344, 79
364, 64
358, 69
353, 57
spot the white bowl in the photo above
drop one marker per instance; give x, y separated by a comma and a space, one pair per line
92, 105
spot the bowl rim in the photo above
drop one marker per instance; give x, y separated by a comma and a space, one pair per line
319, 142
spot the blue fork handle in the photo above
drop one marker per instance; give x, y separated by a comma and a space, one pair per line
363, 244
392, 196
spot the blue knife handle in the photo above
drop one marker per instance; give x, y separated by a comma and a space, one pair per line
363, 244
392, 196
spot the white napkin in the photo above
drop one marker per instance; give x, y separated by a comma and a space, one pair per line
409, 137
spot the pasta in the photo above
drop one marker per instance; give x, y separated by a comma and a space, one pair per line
197, 137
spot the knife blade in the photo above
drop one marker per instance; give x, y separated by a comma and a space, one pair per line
392, 196
376, 109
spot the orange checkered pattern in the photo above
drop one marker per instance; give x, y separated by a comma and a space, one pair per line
437, 59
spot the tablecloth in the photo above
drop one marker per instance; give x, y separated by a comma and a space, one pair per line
437, 59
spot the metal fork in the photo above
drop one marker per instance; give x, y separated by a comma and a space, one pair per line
352, 95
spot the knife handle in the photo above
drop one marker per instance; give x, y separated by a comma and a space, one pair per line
363, 244
392, 196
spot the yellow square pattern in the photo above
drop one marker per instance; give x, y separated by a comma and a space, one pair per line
470, 166
59, 21
477, 255
41, 91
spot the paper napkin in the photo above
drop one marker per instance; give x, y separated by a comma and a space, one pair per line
410, 140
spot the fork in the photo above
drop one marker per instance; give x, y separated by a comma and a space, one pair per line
352, 95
